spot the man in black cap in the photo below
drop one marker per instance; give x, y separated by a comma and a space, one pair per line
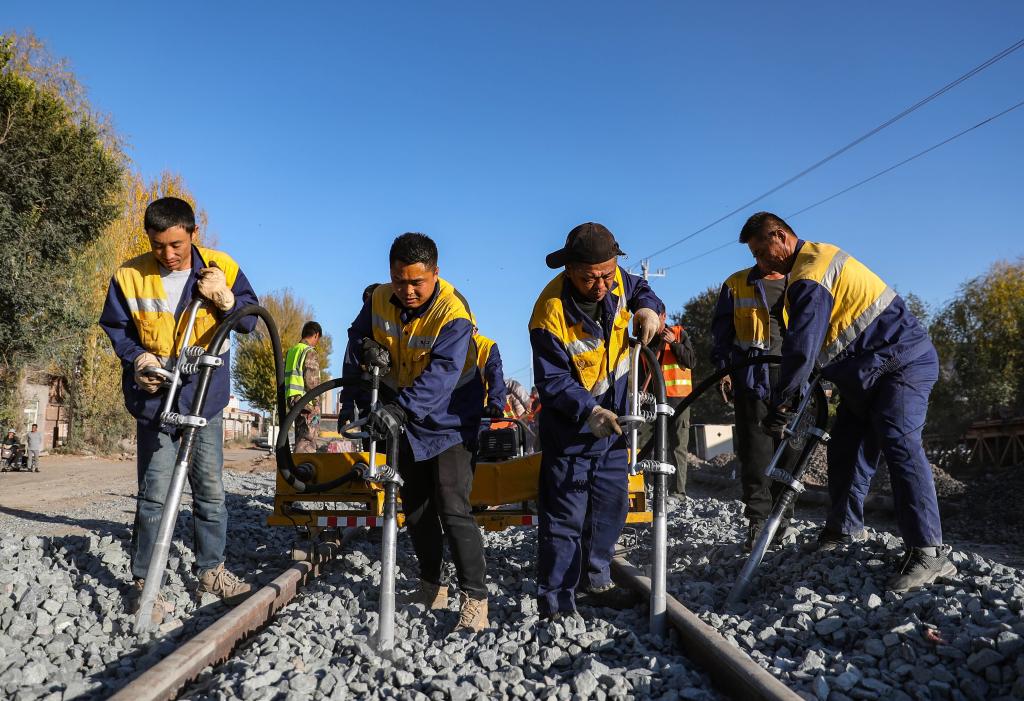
578, 332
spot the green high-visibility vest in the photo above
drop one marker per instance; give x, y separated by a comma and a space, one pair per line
295, 385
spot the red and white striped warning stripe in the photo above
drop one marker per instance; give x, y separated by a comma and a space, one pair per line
349, 521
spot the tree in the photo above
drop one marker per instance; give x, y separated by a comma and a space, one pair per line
696, 317
253, 370
979, 335
57, 187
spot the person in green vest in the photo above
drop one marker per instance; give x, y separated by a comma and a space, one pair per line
301, 374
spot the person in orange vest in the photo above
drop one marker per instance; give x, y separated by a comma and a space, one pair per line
677, 357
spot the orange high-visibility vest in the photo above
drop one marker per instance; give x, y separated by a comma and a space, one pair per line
678, 380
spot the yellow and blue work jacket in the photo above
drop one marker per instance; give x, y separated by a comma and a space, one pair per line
433, 372
844, 319
294, 381
138, 318
579, 363
488, 362
741, 329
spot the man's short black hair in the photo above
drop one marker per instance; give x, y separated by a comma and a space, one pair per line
311, 328
167, 213
763, 221
35, 425
412, 248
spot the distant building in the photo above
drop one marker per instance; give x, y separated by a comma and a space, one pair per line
239, 422
46, 405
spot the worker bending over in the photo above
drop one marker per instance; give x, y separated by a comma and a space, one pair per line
749, 322
579, 334
145, 320
845, 320
424, 324
301, 374
488, 361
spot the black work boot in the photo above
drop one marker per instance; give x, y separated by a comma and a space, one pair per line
609, 596
754, 527
829, 540
921, 568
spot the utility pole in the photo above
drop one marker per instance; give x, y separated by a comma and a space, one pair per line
645, 270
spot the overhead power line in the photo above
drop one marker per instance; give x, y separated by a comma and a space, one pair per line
867, 135
868, 179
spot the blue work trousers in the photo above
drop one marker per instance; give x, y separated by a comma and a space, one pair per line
582, 507
886, 420
156, 458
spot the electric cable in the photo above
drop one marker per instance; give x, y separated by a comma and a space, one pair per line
835, 154
868, 179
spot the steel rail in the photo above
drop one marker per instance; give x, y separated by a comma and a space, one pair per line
732, 671
215, 643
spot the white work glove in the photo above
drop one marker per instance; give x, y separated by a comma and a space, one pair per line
214, 286
150, 383
603, 423
646, 323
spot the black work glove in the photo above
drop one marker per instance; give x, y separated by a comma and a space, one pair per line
374, 354
774, 424
386, 422
493, 412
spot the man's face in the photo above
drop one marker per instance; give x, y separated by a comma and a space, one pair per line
34, 428
592, 281
172, 247
773, 250
413, 284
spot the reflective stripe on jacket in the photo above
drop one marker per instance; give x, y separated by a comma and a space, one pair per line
678, 380
751, 317
295, 385
488, 362
143, 290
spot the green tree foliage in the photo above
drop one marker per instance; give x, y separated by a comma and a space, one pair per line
253, 370
57, 186
696, 317
980, 339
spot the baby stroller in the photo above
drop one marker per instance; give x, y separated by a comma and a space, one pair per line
13, 456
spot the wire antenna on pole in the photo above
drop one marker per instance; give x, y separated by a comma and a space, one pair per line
645, 270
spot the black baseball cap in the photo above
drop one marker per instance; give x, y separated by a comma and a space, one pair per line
588, 243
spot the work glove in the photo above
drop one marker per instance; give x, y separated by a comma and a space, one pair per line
374, 354
603, 423
646, 323
493, 412
214, 286
149, 383
725, 388
774, 424
386, 422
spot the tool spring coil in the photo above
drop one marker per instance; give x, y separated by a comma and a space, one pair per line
191, 355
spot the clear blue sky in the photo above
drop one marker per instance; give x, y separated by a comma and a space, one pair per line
317, 134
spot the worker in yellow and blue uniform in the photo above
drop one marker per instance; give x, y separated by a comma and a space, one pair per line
846, 321
579, 335
749, 322
144, 316
423, 323
488, 361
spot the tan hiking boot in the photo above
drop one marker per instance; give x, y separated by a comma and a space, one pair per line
161, 607
221, 582
472, 614
431, 596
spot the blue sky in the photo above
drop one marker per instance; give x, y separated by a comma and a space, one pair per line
315, 135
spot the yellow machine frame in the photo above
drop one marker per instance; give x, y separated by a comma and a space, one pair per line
500, 494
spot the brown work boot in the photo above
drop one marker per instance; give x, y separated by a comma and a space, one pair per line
429, 595
472, 614
161, 607
221, 582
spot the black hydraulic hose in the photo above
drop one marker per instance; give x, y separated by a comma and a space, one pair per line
660, 436
285, 461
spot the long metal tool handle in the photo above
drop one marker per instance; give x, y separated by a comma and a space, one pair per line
374, 393
633, 389
389, 540
172, 388
791, 429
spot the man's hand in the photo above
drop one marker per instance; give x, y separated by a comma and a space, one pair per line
149, 383
603, 423
666, 335
374, 355
214, 286
493, 412
386, 422
774, 424
725, 388
646, 323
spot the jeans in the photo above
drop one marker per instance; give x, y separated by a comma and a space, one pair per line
435, 500
33, 459
156, 459
886, 419
755, 449
582, 503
